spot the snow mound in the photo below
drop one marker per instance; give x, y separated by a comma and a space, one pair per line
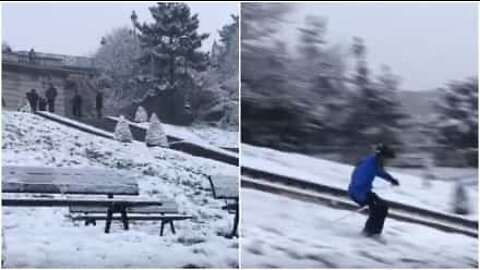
122, 131
155, 136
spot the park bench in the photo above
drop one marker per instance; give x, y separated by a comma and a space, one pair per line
225, 187
39, 180
166, 213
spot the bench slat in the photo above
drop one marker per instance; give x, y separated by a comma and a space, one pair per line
133, 217
169, 208
41, 202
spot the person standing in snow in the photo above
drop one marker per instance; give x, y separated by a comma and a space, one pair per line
42, 104
32, 98
99, 104
77, 104
51, 94
360, 188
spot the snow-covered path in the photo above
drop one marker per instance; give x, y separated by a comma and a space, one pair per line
281, 232
44, 237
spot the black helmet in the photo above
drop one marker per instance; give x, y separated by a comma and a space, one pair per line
384, 151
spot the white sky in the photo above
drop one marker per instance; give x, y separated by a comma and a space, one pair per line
425, 44
77, 28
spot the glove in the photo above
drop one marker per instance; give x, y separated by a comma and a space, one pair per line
395, 182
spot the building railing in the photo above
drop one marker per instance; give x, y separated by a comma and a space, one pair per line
48, 60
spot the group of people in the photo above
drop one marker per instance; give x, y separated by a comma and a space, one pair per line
42, 103
48, 102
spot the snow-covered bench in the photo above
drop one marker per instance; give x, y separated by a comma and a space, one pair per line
225, 187
167, 213
84, 184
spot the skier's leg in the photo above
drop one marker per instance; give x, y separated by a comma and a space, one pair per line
372, 216
382, 209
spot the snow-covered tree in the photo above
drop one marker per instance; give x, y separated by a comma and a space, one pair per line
171, 42
122, 130
117, 60
374, 111
155, 134
171, 52
312, 39
228, 58
457, 121
460, 200
217, 100
141, 115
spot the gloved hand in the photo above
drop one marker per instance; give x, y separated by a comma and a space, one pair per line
395, 182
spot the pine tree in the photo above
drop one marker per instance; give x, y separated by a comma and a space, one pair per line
374, 115
155, 134
228, 58
122, 131
117, 60
141, 115
457, 122
312, 38
319, 72
171, 44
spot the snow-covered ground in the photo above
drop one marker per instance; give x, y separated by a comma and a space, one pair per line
413, 190
45, 237
281, 232
199, 134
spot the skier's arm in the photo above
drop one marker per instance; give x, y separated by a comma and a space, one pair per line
383, 174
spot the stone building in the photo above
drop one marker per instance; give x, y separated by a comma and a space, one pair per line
23, 71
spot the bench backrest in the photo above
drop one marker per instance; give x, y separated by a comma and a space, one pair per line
67, 202
224, 186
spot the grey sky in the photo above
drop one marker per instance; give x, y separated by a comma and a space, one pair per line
426, 44
76, 28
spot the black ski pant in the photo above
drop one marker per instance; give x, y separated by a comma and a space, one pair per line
378, 210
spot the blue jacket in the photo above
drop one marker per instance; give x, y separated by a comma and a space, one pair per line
363, 176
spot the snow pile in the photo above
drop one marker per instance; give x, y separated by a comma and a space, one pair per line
141, 115
25, 107
204, 135
412, 190
303, 235
460, 204
155, 136
122, 131
45, 237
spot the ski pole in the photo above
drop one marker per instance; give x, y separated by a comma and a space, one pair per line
351, 214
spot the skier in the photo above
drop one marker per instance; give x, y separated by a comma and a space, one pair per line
360, 188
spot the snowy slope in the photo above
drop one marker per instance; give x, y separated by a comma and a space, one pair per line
412, 191
44, 237
281, 232
199, 134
